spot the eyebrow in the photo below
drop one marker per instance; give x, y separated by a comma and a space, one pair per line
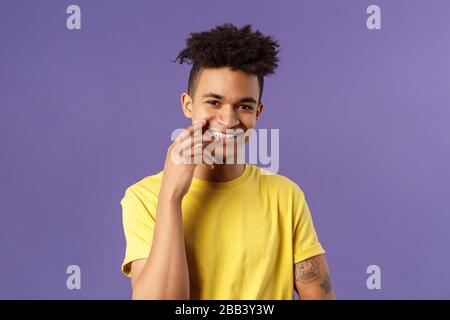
219, 97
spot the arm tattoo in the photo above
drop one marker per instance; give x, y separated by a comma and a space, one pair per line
307, 271
326, 284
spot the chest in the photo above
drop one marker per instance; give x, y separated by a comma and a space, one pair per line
243, 226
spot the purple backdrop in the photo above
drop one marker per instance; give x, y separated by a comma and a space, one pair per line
363, 117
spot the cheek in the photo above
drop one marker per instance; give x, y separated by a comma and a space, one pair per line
205, 112
199, 112
248, 120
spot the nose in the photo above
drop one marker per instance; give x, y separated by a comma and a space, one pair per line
227, 117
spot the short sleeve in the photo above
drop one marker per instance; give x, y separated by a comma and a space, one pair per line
138, 226
305, 241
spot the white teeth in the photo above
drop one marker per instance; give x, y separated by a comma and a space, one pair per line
223, 135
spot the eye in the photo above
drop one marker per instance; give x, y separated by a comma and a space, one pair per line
214, 103
245, 107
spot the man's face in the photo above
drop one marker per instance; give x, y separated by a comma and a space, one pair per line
228, 100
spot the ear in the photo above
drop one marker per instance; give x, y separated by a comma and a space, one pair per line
259, 109
186, 104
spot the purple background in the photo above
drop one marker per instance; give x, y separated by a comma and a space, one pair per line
363, 117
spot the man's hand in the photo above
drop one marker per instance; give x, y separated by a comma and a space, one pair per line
312, 279
183, 156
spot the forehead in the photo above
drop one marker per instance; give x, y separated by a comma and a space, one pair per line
232, 84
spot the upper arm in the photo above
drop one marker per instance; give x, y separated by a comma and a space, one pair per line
135, 271
312, 279
138, 225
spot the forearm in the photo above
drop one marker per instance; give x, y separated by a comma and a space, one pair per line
165, 274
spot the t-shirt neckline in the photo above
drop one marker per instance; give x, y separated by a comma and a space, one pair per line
224, 185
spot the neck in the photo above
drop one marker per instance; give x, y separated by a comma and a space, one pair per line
220, 173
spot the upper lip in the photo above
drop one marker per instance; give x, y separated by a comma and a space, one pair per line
225, 132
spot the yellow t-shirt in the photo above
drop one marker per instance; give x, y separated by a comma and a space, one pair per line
242, 236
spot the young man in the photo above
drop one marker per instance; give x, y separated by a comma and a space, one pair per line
215, 229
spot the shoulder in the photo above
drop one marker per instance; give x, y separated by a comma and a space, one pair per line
145, 188
279, 182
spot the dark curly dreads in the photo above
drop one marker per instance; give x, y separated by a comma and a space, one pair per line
226, 45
